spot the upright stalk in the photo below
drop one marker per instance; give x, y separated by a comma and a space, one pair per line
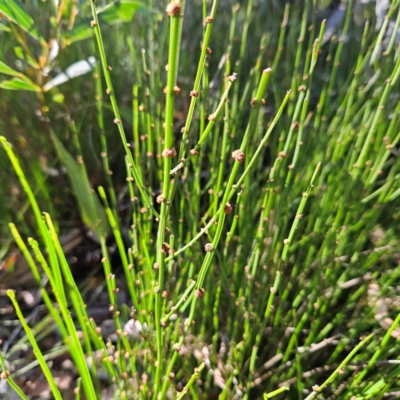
117, 120
174, 11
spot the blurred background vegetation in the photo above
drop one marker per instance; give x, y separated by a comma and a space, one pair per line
53, 105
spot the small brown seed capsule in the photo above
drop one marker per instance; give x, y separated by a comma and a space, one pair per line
208, 247
4, 374
282, 154
165, 248
160, 198
200, 293
194, 152
238, 155
232, 77
209, 19
295, 125
209, 51
173, 9
228, 208
169, 153
177, 89
93, 23
194, 93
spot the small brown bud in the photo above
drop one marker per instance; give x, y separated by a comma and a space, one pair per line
232, 77
286, 241
109, 68
301, 88
169, 153
209, 51
165, 248
208, 247
238, 155
4, 374
253, 101
211, 117
93, 23
160, 198
177, 89
209, 19
117, 121
200, 292
194, 93
228, 208
173, 9
282, 154
295, 125
194, 152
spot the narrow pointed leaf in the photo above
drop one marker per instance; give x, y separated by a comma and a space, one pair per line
19, 84
15, 12
91, 210
5, 69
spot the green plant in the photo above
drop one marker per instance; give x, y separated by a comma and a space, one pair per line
255, 261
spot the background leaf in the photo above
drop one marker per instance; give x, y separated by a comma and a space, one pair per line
119, 11
91, 210
5, 69
19, 84
14, 11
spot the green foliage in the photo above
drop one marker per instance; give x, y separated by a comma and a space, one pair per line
113, 13
91, 210
254, 210
15, 12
